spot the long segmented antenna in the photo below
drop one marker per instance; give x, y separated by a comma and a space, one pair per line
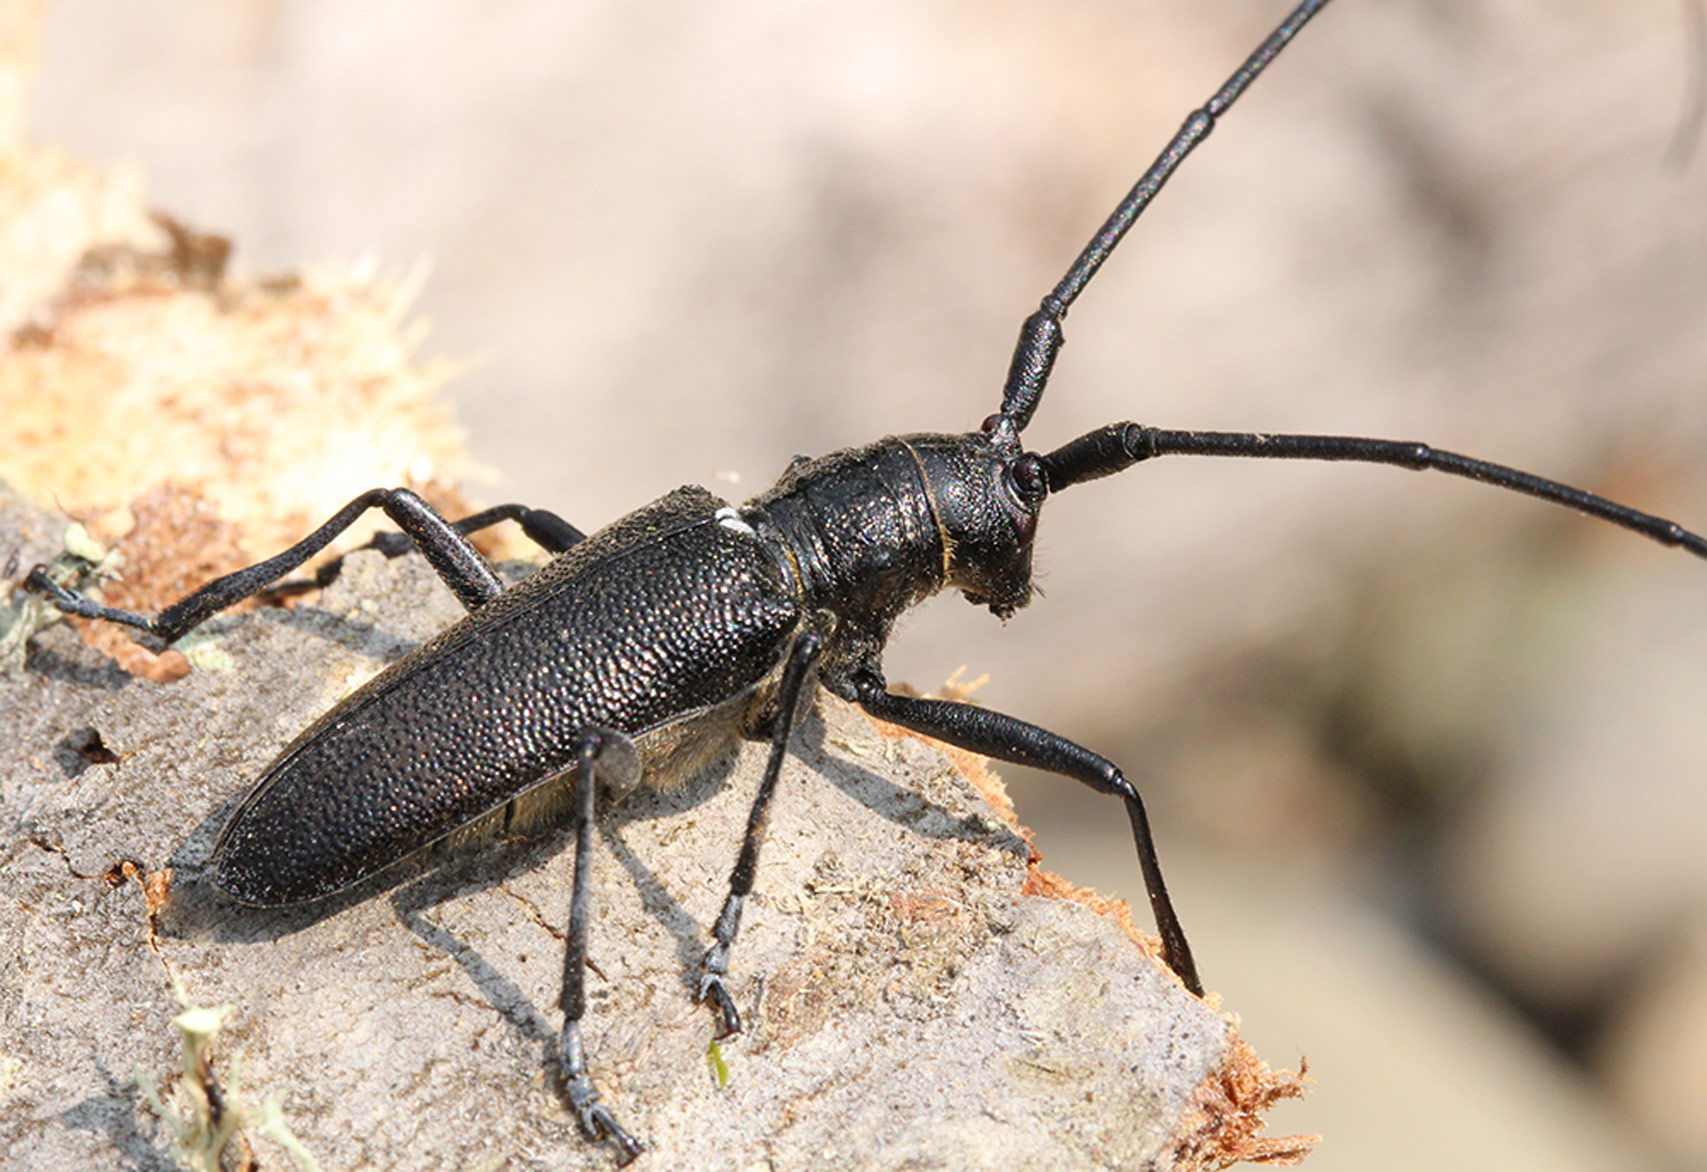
1041, 336
1120, 445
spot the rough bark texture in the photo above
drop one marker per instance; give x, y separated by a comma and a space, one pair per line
917, 995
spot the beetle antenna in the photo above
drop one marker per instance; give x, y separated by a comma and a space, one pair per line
1120, 445
1041, 336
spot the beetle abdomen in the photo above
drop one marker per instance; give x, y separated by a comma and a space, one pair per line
665, 612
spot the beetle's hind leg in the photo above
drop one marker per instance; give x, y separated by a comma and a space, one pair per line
1007, 738
447, 549
715, 965
609, 752
544, 528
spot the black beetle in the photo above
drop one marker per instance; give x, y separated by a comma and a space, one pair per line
650, 647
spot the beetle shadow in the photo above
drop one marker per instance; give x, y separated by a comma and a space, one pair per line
907, 808
59, 655
376, 639
413, 897
113, 1115
465, 864
904, 807
369, 639
512, 1005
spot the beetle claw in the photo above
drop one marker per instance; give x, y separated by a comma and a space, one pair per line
598, 1123
715, 993
595, 1118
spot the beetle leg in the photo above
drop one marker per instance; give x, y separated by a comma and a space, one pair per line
715, 965
546, 529
449, 552
595, 1118
1007, 738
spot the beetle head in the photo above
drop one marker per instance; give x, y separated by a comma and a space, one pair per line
986, 492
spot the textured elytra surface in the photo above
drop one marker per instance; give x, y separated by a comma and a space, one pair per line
665, 613
906, 1005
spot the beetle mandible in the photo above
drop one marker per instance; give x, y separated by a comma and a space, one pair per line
642, 651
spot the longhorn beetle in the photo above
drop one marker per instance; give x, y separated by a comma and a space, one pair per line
638, 653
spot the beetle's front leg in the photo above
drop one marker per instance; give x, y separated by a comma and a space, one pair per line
715, 966
1007, 738
594, 1117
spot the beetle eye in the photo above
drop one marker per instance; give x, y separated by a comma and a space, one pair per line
1026, 475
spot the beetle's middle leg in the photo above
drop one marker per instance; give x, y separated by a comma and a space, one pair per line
595, 1118
446, 549
715, 965
1007, 738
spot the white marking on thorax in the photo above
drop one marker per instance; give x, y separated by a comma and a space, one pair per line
730, 519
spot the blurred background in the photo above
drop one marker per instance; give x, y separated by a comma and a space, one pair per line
1425, 759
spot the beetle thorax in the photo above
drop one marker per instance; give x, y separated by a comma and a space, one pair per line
874, 530
860, 531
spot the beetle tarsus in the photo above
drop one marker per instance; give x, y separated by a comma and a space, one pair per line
713, 990
594, 1117
715, 993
